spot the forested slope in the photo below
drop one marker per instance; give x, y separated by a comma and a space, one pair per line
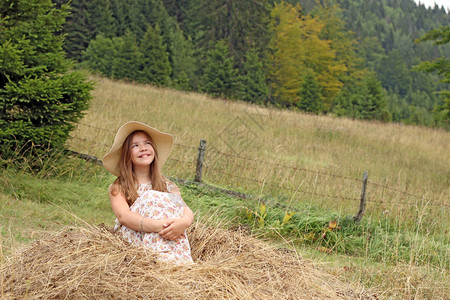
350, 58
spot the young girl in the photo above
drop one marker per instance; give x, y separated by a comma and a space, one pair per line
149, 208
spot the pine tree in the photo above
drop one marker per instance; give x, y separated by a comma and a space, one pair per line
220, 75
155, 61
40, 101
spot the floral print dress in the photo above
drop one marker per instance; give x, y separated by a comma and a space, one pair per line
158, 205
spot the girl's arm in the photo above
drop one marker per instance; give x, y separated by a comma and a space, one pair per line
174, 228
131, 219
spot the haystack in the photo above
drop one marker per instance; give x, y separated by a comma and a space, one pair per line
94, 263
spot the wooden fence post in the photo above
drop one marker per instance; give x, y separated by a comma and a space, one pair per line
362, 203
200, 158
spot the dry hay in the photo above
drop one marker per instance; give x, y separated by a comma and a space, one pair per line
93, 263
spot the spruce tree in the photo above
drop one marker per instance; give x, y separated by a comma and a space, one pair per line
253, 80
310, 95
99, 55
127, 58
86, 20
242, 24
40, 101
137, 17
119, 10
182, 61
100, 18
155, 64
396, 76
440, 36
342, 104
219, 78
373, 100
76, 29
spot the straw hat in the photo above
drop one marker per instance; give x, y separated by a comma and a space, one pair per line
162, 141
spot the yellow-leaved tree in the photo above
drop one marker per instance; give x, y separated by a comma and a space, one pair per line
298, 53
347, 65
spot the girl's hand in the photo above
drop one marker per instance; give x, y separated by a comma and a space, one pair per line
160, 224
174, 229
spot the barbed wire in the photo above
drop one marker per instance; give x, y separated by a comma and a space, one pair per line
181, 161
286, 166
395, 190
277, 165
184, 145
321, 173
283, 187
293, 173
369, 200
208, 169
210, 164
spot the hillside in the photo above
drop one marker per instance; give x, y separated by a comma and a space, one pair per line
407, 158
310, 164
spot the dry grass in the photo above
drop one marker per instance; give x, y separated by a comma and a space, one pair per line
399, 281
93, 263
406, 158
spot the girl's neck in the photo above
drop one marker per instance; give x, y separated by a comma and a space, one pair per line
142, 175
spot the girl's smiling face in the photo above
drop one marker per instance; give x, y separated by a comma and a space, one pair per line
142, 152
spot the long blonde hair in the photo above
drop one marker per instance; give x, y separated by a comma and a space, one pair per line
127, 181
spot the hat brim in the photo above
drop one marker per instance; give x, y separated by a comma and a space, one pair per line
162, 141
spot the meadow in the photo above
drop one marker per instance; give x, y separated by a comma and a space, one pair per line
307, 168
284, 154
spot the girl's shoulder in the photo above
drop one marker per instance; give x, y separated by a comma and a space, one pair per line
172, 187
113, 188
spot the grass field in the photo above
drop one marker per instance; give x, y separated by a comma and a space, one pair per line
309, 164
289, 154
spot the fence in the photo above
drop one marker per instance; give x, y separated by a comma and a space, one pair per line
213, 162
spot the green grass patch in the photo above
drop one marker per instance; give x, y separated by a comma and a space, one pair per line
33, 202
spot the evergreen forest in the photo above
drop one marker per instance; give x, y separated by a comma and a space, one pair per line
359, 59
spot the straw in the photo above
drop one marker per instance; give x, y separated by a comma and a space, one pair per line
94, 263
